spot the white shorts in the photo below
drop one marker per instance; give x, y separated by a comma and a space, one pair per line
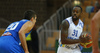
66, 50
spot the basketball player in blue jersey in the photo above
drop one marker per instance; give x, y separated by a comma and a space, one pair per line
95, 27
71, 29
15, 34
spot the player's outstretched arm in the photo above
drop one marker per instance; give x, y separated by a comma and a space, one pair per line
25, 29
95, 22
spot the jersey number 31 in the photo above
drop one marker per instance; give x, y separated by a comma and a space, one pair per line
75, 32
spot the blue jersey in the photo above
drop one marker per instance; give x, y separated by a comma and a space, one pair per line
14, 28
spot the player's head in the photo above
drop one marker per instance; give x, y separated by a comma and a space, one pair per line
29, 14
76, 12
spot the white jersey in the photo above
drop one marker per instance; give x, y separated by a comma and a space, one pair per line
74, 31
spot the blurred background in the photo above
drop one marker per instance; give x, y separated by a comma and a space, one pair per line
50, 14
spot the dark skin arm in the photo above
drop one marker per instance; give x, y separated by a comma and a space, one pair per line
64, 35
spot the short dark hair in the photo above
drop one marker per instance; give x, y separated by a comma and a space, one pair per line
79, 7
29, 14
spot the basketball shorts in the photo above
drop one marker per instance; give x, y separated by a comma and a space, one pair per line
68, 50
9, 45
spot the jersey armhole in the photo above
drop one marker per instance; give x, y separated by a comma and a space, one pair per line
68, 22
83, 25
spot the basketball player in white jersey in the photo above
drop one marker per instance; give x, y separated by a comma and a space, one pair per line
71, 29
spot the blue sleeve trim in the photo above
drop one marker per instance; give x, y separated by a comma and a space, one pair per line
68, 22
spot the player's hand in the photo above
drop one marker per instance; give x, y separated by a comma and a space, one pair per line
84, 39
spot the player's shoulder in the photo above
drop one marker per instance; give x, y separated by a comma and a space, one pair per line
65, 22
81, 21
96, 16
28, 24
69, 19
24, 20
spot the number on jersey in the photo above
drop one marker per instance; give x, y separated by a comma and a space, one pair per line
12, 26
75, 32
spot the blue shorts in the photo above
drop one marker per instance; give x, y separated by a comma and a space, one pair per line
9, 45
